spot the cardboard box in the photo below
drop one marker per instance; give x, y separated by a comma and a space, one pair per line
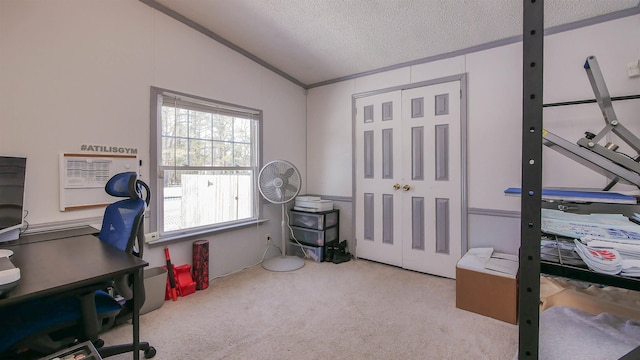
487, 284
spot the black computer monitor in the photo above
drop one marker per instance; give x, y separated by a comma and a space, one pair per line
12, 178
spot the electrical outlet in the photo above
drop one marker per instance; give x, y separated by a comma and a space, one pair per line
149, 237
267, 238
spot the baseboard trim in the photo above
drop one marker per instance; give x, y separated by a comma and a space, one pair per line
493, 212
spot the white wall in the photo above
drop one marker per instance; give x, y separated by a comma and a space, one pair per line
494, 115
79, 72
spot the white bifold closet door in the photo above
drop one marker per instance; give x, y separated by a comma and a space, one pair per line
408, 178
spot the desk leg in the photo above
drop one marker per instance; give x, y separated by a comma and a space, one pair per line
137, 303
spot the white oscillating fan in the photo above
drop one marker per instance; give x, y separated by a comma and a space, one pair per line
279, 182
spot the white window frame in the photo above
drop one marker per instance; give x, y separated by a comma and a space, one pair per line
156, 182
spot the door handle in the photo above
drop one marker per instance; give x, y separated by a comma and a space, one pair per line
406, 188
396, 187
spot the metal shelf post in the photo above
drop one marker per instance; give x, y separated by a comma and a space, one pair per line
532, 80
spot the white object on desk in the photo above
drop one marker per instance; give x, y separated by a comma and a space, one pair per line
5, 253
9, 274
312, 204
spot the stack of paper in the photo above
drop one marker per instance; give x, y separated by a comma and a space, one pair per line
609, 243
487, 261
560, 250
608, 226
629, 250
476, 258
503, 263
630, 268
312, 204
605, 261
626, 250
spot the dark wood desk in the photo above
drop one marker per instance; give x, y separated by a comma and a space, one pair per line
60, 265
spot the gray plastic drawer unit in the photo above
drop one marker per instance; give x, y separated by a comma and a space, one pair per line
318, 221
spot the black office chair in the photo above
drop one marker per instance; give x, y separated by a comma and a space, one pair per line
46, 325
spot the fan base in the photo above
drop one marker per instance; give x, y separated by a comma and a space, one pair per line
283, 263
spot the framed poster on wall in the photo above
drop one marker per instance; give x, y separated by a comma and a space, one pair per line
83, 177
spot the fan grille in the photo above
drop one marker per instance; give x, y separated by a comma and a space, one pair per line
279, 181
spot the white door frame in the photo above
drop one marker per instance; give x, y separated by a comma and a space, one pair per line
463, 149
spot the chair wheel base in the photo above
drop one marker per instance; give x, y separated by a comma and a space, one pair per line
150, 352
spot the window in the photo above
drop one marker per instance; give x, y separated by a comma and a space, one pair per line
207, 156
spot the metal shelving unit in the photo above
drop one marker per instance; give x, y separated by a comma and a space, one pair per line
531, 201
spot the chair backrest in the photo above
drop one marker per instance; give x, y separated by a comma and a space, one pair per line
122, 223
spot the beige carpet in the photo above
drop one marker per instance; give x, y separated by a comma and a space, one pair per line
354, 310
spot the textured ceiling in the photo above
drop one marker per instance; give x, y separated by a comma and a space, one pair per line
315, 41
